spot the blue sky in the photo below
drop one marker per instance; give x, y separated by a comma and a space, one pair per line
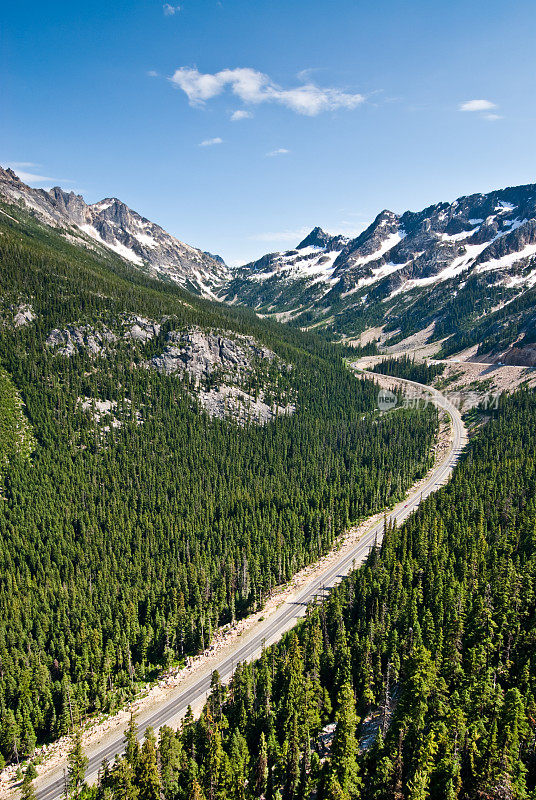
345, 108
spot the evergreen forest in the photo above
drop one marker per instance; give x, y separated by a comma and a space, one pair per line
415, 679
123, 546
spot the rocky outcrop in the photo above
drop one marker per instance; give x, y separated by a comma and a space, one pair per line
230, 402
73, 338
201, 354
16, 315
218, 366
98, 340
524, 356
323, 241
23, 315
141, 329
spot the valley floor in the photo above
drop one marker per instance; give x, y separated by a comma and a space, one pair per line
166, 701
470, 376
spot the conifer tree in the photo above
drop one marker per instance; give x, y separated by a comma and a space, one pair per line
123, 781
261, 770
345, 744
28, 789
132, 750
77, 763
196, 792
292, 770
147, 775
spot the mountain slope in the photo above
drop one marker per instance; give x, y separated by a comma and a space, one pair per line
445, 267
141, 508
110, 223
291, 279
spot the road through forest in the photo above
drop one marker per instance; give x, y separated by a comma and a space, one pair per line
51, 786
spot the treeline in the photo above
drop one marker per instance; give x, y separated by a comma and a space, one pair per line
406, 367
423, 659
122, 550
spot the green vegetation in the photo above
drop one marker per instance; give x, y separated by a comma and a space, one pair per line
406, 367
16, 438
123, 548
434, 636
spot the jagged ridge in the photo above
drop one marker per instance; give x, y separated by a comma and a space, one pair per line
112, 224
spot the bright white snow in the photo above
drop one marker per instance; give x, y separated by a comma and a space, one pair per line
119, 248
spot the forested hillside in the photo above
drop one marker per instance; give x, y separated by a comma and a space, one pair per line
138, 523
434, 637
408, 368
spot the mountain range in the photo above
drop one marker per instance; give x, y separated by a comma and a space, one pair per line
461, 273
457, 270
112, 224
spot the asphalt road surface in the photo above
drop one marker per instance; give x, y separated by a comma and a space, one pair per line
51, 786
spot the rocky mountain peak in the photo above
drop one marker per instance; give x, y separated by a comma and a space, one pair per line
317, 238
412, 267
9, 175
111, 224
68, 204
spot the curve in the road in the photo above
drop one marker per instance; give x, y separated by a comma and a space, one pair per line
289, 613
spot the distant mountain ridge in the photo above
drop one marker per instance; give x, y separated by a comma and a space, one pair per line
404, 271
112, 224
463, 272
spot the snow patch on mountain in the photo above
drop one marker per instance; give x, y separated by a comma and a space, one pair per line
125, 252
114, 226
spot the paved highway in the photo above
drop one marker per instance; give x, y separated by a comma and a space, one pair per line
51, 786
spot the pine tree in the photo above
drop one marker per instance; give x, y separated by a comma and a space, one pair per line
132, 750
261, 770
147, 775
345, 745
197, 792
171, 755
28, 789
292, 770
77, 763
214, 758
11, 736
123, 781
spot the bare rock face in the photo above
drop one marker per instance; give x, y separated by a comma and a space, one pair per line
24, 314
323, 241
520, 356
99, 340
200, 354
73, 338
140, 329
219, 365
230, 402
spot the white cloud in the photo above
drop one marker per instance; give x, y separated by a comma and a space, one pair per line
152, 73
21, 164
21, 168
29, 177
281, 236
238, 115
305, 74
493, 117
210, 142
281, 151
170, 10
254, 87
477, 105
